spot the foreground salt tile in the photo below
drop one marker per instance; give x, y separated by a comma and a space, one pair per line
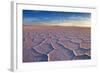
38, 56
27, 44
82, 57
31, 55
27, 55
61, 54
37, 41
79, 51
76, 40
70, 45
44, 48
85, 45
88, 52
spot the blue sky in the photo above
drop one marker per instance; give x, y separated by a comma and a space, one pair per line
36, 17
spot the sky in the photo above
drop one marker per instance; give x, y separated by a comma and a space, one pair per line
36, 17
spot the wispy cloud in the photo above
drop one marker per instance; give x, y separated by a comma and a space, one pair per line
49, 17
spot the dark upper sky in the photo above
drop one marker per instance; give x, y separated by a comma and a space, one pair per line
36, 17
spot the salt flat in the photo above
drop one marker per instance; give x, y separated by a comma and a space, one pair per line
56, 43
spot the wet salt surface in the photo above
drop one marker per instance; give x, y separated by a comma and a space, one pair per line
56, 44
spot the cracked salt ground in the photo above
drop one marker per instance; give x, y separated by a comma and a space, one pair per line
43, 48
61, 53
37, 41
56, 45
38, 56
70, 45
88, 52
41, 57
82, 57
33, 56
58, 55
80, 51
85, 45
